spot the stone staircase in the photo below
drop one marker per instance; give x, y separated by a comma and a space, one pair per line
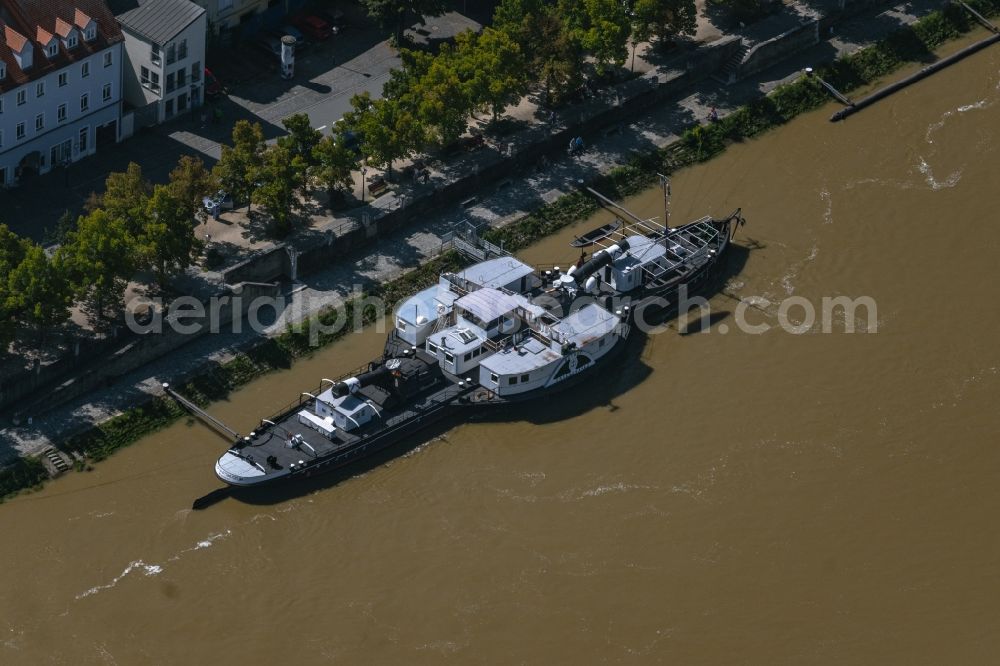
730, 71
55, 462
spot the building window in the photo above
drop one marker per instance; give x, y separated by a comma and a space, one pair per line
85, 101
39, 122
494, 378
91, 33
3, 71
182, 103
154, 82
85, 70
63, 79
107, 58
171, 54
154, 54
196, 72
106, 93
61, 113
19, 132
40, 89
20, 97
1, 143
52, 50
170, 82
182, 50
1, 104
181, 77
84, 134
169, 110
511, 380
71, 41
524, 378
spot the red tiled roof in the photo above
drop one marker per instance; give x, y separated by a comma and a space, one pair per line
14, 39
39, 18
63, 28
80, 19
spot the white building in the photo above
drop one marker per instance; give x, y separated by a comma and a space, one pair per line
60, 83
165, 47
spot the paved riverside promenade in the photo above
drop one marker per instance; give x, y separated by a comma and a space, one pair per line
420, 240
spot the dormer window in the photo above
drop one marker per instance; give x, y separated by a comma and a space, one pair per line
67, 33
3, 71
48, 41
86, 24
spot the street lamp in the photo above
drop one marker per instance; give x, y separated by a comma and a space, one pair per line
364, 170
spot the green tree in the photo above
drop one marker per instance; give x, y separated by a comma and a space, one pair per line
39, 291
602, 28
167, 241
302, 138
12, 251
527, 23
551, 51
239, 166
333, 163
125, 196
100, 257
664, 19
399, 13
496, 69
191, 182
280, 177
440, 99
389, 131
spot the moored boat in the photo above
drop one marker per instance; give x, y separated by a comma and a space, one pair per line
497, 333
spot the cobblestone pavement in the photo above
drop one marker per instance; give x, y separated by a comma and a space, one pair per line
410, 246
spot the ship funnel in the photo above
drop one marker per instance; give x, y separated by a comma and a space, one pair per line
354, 384
600, 259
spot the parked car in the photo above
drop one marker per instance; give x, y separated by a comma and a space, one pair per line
213, 87
269, 43
314, 27
350, 140
217, 203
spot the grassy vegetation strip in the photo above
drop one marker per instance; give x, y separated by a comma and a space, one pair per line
698, 143
216, 382
20, 475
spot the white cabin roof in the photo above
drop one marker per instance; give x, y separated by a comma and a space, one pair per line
488, 304
523, 358
496, 272
458, 339
425, 304
586, 324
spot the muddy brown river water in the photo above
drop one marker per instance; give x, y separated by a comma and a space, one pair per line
725, 498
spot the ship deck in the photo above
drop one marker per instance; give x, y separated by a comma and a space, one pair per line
272, 440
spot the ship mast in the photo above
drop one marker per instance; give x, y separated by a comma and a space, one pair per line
665, 184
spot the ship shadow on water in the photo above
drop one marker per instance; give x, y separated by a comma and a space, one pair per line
626, 370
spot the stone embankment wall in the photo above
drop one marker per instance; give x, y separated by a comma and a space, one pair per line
100, 362
138, 349
776, 49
